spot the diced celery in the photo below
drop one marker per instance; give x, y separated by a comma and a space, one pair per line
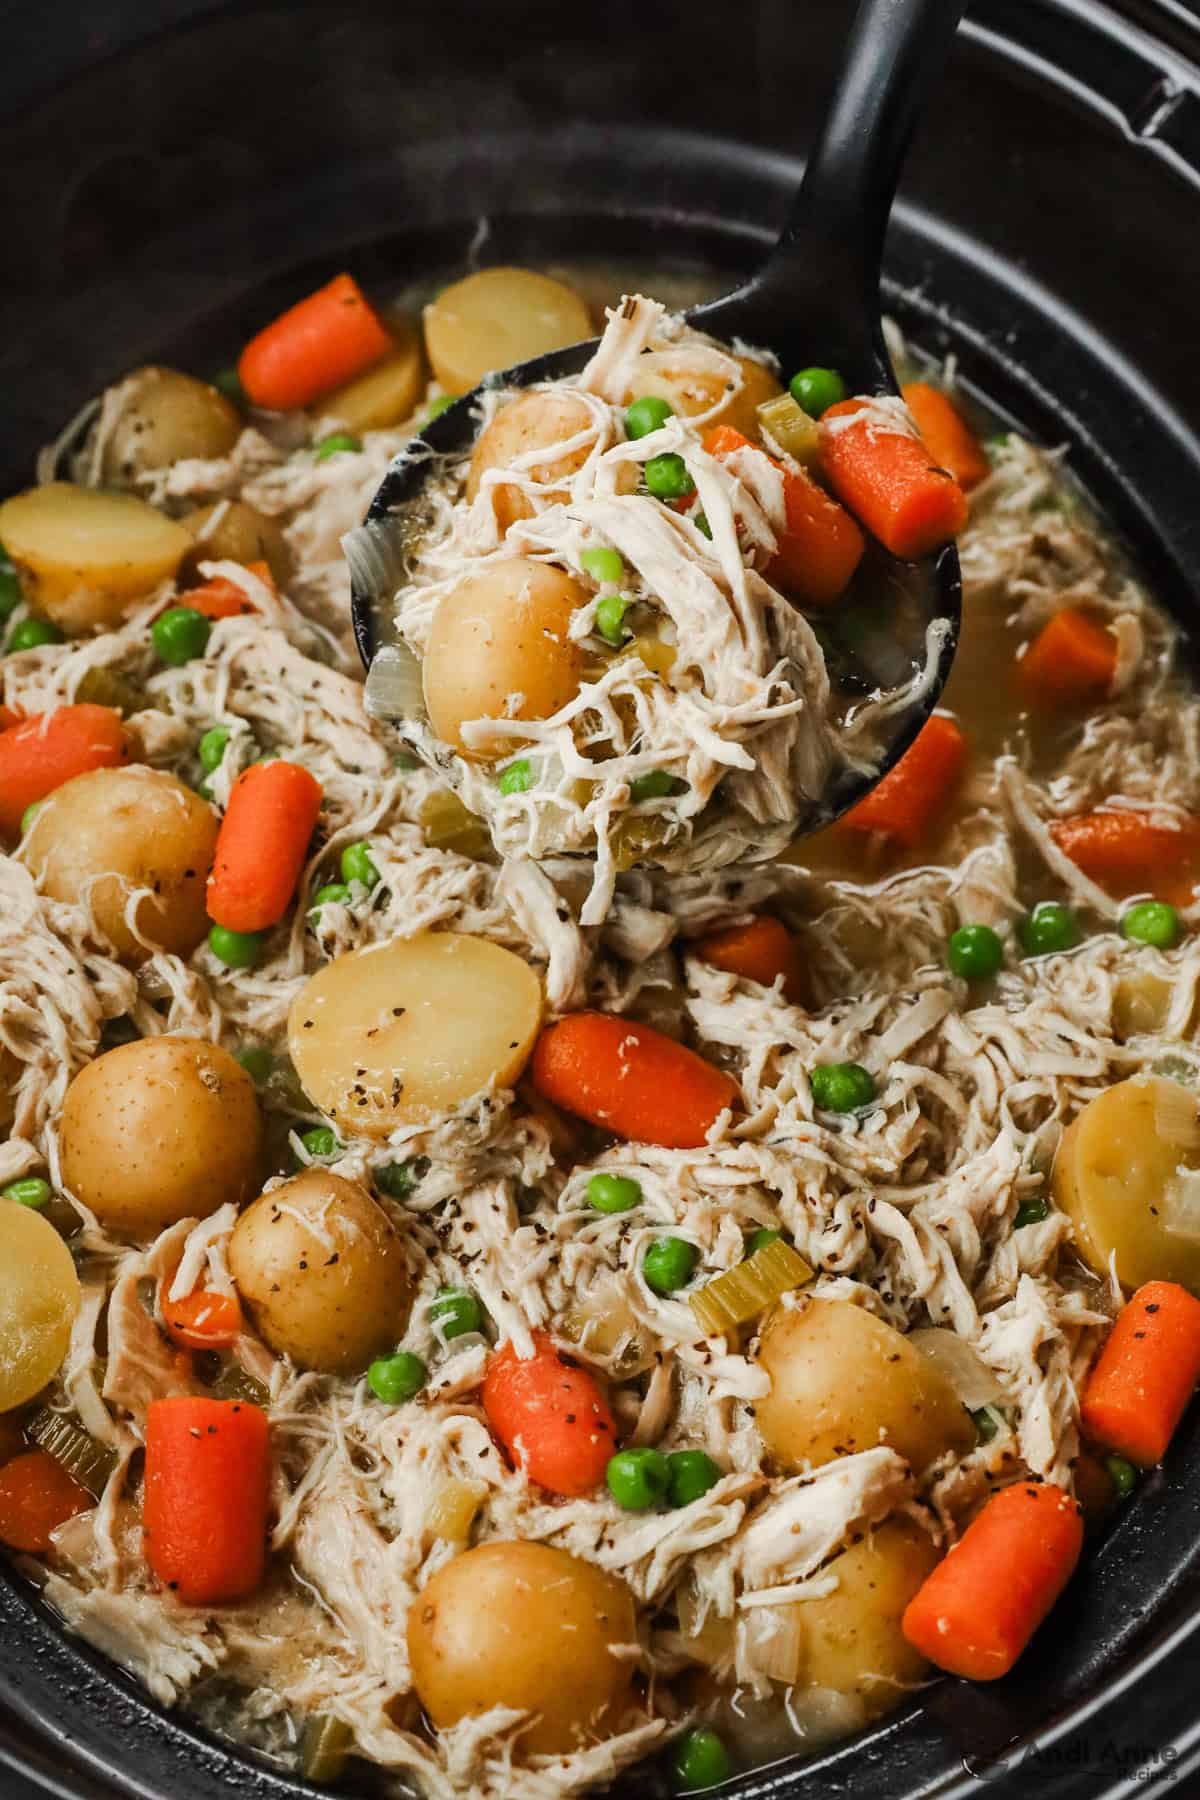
743, 1292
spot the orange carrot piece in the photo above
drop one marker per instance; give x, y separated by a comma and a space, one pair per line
761, 951
983, 1602
946, 434
1125, 853
48, 748
205, 1500
314, 347
630, 1079
201, 1320
907, 801
551, 1415
262, 844
822, 547
222, 598
889, 481
36, 1497
1071, 661
8, 717
1145, 1375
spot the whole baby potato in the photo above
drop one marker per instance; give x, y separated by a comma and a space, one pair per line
851, 1639
233, 531
322, 1269
106, 833
524, 1625
843, 1381
691, 390
163, 1129
500, 649
534, 422
85, 557
162, 417
497, 318
39, 1298
391, 1034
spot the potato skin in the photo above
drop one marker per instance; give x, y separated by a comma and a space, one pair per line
86, 556
499, 633
165, 416
159, 1130
843, 1381
852, 1637
322, 1268
691, 391
120, 829
1109, 1175
523, 1625
533, 422
241, 534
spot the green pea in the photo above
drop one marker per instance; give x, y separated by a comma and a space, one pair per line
399, 1180
759, 1240
1031, 1212
648, 414
31, 1191
257, 1061
518, 778
974, 952
320, 1141
987, 1422
33, 634
637, 1478
690, 1474
335, 444
357, 864
437, 406
1049, 928
236, 949
1152, 922
603, 565
334, 893
396, 1378
1000, 441
668, 1264
667, 477
229, 383
816, 390
613, 1193
180, 635
29, 815
10, 585
701, 1760
211, 748
657, 784
610, 619
1122, 1474
454, 1312
841, 1087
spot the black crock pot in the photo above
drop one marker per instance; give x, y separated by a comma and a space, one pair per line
172, 169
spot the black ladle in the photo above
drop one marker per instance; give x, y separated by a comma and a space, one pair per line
815, 300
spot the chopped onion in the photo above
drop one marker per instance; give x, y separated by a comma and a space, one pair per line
1180, 1211
394, 690
963, 1367
710, 1637
1176, 1114
455, 1504
771, 1643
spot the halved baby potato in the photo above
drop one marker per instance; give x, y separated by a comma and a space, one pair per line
1122, 1175
232, 531
397, 1032
39, 1298
164, 417
85, 557
844, 1381
496, 318
387, 394
500, 649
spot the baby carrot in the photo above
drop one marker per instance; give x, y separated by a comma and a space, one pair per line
222, 598
983, 1602
890, 482
48, 748
630, 1079
314, 347
551, 1416
203, 1320
36, 1497
761, 951
822, 546
946, 435
1072, 660
205, 1500
1145, 1374
262, 844
1125, 852
908, 799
